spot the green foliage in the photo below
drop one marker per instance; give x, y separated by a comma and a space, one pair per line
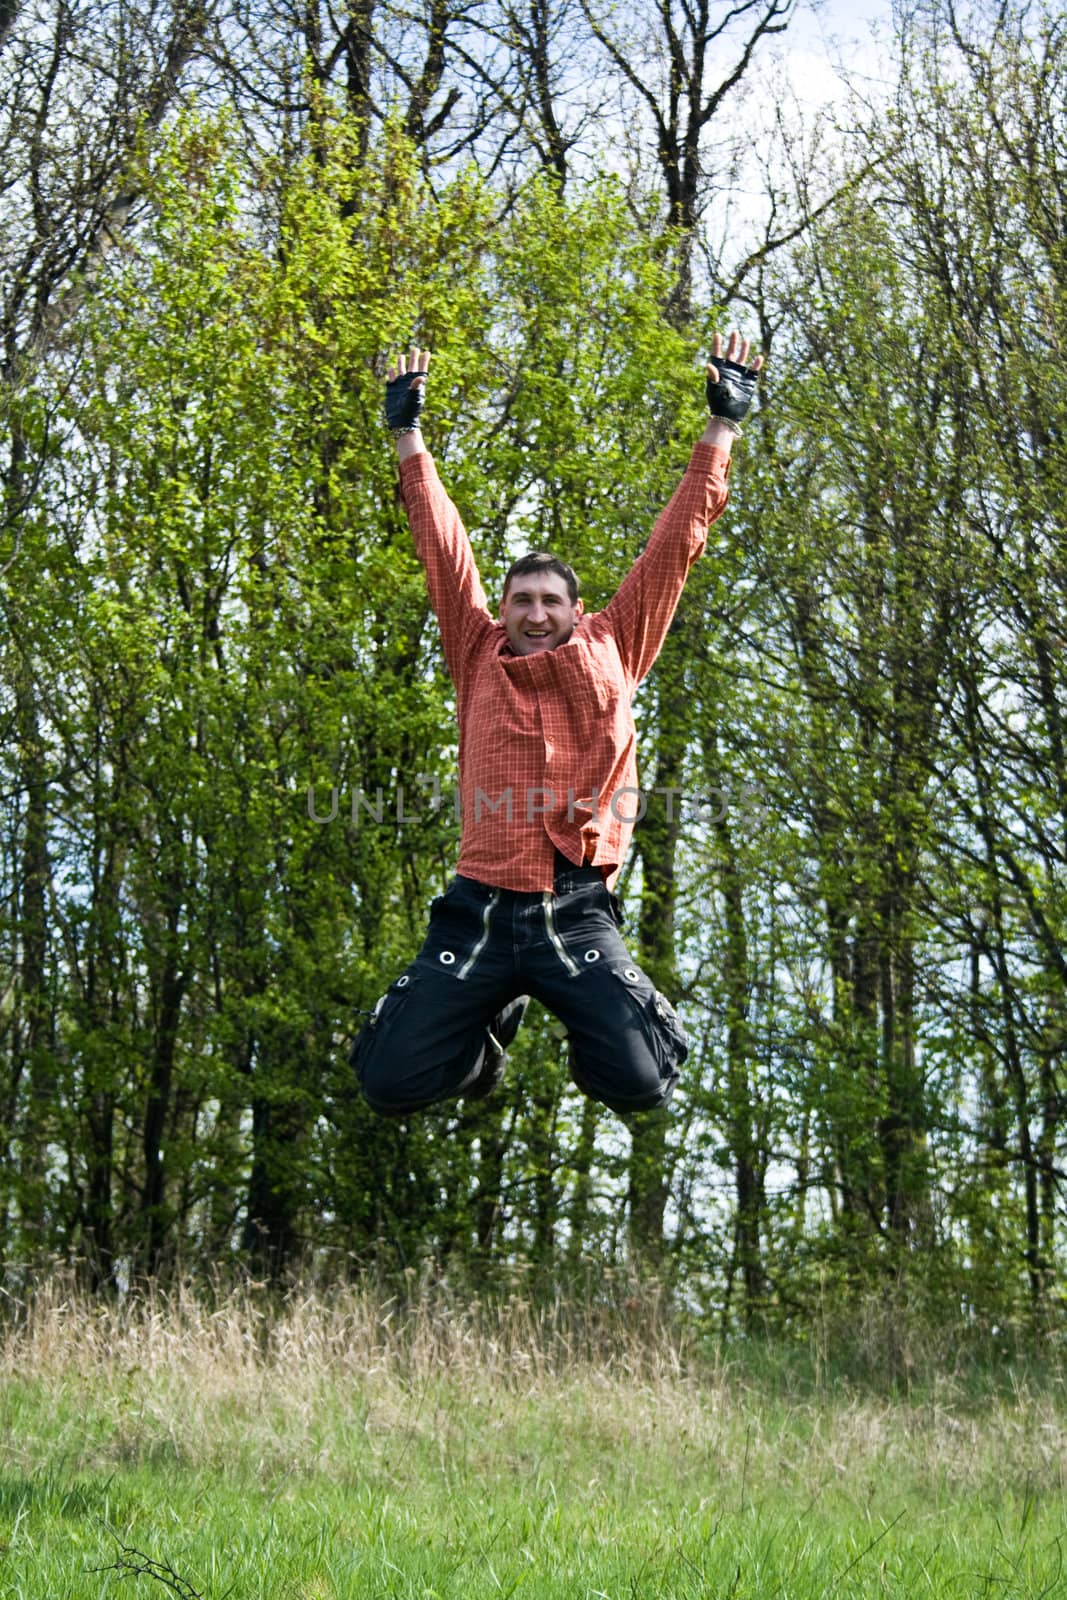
251, 620
212, 608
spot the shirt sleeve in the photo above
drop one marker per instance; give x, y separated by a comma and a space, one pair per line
640, 612
442, 545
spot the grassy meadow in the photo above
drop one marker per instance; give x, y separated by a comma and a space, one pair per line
347, 1446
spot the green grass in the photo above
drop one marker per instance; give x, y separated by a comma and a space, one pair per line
343, 1448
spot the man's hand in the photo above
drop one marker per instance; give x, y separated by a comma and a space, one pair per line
730, 386
731, 383
405, 391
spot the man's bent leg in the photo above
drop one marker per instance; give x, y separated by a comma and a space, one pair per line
430, 1036
627, 1042
426, 1041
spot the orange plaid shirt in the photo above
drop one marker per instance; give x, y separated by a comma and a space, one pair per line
547, 745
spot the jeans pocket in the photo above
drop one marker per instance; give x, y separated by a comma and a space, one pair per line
460, 927
671, 1028
660, 1023
385, 1008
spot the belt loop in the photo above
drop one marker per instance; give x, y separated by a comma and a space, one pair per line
576, 878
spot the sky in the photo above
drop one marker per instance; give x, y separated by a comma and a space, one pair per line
808, 70
853, 33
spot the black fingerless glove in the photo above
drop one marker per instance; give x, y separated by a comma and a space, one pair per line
731, 397
404, 403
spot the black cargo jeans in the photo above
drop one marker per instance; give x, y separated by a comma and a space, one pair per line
426, 1037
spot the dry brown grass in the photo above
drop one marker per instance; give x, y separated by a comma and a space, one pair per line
325, 1382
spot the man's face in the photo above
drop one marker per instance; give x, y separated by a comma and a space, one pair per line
537, 612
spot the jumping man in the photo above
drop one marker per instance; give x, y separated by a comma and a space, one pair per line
548, 790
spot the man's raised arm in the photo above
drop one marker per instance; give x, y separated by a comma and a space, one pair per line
642, 607
441, 541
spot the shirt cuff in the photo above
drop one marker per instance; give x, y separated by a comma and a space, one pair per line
418, 468
708, 458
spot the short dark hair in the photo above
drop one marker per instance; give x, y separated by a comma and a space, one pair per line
543, 561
